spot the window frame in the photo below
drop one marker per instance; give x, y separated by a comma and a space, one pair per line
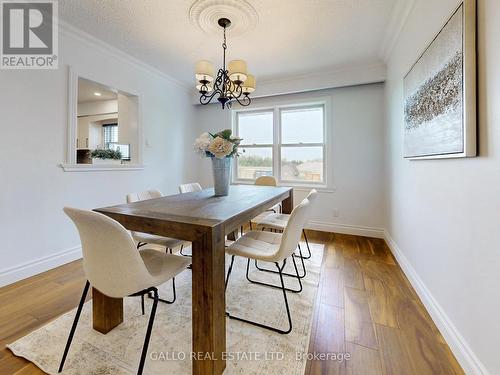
277, 144
263, 145
109, 125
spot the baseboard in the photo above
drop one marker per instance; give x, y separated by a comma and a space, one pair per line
462, 351
355, 230
23, 271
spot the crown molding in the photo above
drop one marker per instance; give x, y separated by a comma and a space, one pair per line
80, 35
318, 80
326, 79
399, 15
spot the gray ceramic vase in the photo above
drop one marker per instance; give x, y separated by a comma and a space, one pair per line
222, 175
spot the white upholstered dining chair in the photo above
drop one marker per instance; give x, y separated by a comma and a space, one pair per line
113, 266
190, 188
146, 238
265, 181
278, 222
275, 248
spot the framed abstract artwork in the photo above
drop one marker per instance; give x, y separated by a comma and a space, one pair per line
440, 92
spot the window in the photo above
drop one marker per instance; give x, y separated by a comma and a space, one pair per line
110, 134
256, 129
285, 142
124, 149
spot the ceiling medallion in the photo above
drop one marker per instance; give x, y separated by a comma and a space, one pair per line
233, 84
206, 13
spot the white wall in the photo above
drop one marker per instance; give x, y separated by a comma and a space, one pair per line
444, 215
127, 124
356, 155
35, 233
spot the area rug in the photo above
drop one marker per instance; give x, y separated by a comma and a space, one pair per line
250, 350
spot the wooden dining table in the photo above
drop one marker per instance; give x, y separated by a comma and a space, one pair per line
204, 220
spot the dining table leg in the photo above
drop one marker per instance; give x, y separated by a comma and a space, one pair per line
287, 204
107, 312
209, 303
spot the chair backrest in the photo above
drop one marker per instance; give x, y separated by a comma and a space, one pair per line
143, 195
189, 188
296, 222
111, 261
266, 181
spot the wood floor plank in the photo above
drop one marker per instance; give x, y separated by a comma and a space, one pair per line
394, 355
4, 352
10, 364
332, 289
359, 328
11, 305
362, 360
380, 251
29, 369
350, 247
390, 275
67, 298
327, 341
383, 304
333, 256
16, 327
413, 318
421, 339
353, 278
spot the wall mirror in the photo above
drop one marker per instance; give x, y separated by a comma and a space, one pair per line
103, 127
106, 124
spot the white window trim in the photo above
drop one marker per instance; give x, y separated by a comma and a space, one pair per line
327, 183
70, 164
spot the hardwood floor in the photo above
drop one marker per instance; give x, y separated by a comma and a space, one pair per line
365, 307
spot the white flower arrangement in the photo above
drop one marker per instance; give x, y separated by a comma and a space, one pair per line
219, 145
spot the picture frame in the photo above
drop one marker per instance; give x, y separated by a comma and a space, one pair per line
440, 93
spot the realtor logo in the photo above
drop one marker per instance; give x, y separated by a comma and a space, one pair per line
29, 34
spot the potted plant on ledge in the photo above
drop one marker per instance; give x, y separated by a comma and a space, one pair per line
106, 156
221, 147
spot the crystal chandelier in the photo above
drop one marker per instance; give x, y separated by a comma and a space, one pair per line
232, 84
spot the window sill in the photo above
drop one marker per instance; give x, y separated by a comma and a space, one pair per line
100, 168
297, 187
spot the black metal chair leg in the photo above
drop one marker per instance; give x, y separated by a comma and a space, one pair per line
142, 303
184, 255
150, 296
304, 270
284, 332
148, 332
229, 272
307, 244
75, 323
271, 285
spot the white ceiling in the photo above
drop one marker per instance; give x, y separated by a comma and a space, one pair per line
291, 37
87, 89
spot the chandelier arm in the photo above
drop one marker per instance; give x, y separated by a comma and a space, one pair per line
238, 92
245, 101
205, 99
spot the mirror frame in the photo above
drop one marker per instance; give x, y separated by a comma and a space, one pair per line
70, 164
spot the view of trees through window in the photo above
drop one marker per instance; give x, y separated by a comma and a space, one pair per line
287, 143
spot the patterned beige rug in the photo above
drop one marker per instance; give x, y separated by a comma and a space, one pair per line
250, 350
